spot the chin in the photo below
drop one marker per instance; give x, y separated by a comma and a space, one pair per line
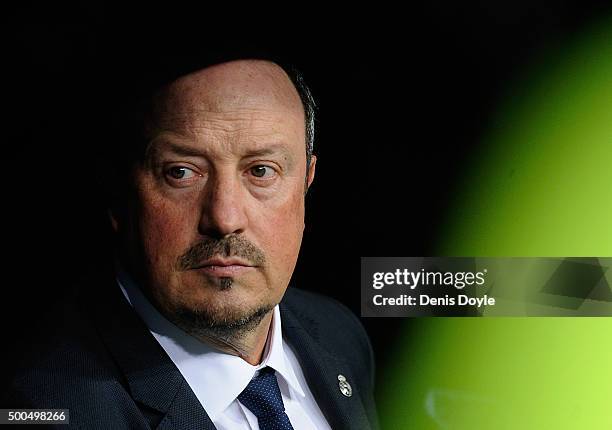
221, 300
221, 316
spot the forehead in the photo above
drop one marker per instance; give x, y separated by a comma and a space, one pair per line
245, 94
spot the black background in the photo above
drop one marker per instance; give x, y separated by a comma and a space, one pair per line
403, 95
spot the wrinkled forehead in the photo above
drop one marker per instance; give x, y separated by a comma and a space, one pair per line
241, 87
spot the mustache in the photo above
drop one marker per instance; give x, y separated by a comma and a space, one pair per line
229, 246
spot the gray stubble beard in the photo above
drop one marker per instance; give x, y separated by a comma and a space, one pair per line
220, 332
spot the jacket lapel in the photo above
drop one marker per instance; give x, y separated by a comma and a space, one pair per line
321, 369
152, 377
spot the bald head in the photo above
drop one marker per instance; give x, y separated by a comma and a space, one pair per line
238, 86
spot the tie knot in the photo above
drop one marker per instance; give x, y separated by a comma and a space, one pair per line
262, 396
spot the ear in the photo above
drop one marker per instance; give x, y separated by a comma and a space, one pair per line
311, 171
113, 220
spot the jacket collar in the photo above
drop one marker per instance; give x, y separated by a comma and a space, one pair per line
322, 368
152, 377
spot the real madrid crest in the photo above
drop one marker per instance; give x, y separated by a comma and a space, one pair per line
345, 387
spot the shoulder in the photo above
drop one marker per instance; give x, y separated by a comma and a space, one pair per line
62, 347
309, 318
63, 364
323, 311
332, 324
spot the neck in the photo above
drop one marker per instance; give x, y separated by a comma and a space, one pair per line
248, 344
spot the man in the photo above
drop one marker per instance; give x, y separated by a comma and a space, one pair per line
196, 328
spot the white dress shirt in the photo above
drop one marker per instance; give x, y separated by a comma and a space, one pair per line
217, 378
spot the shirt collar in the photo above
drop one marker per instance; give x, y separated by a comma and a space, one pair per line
203, 366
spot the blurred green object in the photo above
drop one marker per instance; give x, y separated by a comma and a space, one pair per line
502, 373
540, 185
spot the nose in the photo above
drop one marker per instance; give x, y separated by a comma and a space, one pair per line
223, 206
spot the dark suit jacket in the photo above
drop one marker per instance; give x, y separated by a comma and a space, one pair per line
102, 363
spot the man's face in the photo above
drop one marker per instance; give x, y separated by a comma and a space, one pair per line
218, 217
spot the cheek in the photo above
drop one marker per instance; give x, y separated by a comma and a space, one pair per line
281, 229
166, 230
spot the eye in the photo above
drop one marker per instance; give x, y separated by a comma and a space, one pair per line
181, 173
261, 171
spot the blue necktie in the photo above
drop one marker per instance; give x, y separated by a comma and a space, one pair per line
263, 397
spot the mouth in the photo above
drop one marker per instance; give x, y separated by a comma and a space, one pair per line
223, 267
